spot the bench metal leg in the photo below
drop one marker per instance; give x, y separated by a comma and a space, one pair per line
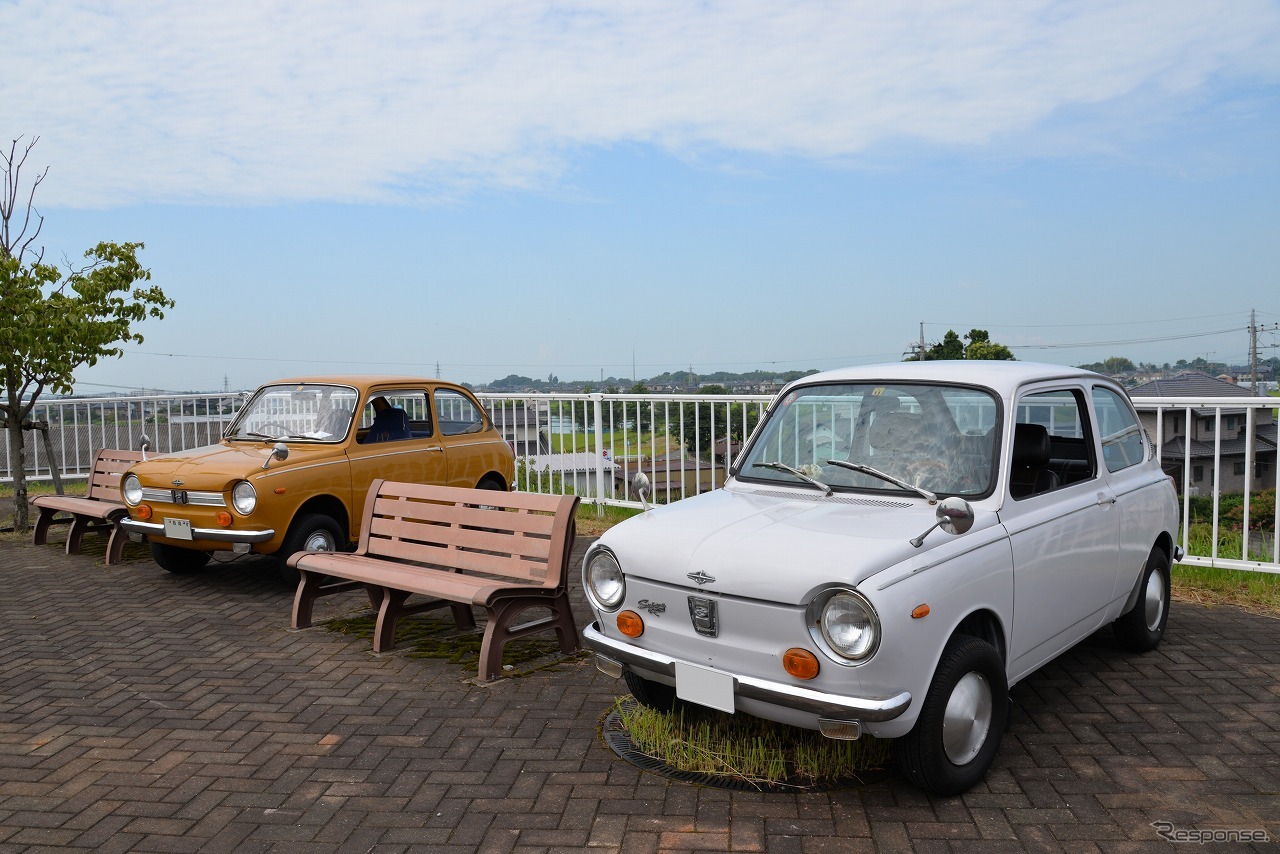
499, 630
384, 632
41, 535
115, 544
75, 534
304, 599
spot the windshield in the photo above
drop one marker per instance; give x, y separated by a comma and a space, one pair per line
939, 438
313, 412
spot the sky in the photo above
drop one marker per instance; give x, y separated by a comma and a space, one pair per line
626, 187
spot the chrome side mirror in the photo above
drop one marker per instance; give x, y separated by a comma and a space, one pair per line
954, 515
641, 487
144, 442
279, 452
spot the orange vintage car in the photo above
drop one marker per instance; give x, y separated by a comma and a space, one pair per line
292, 470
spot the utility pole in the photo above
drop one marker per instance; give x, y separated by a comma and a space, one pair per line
1253, 350
916, 351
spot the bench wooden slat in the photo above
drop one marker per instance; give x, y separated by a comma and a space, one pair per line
505, 552
100, 509
524, 571
385, 530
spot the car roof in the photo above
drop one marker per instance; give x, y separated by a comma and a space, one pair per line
363, 380
1001, 376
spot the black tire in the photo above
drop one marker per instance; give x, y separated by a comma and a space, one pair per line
309, 532
655, 695
177, 560
963, 718
489, 482
1142, 628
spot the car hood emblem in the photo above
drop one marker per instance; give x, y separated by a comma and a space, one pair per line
177, 481
700, 578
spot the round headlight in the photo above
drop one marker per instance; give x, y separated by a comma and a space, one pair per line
131, 489
244, 497
849, 625
605, 581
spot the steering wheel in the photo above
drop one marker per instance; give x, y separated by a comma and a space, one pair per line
265, 428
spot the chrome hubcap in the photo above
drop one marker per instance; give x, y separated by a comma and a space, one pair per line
1154, 604
319, 541
967, 719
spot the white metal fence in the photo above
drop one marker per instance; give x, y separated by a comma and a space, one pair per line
593, 444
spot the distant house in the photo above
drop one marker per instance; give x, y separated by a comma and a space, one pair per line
1232, 439
578, 470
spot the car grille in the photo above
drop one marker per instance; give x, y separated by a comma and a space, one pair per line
182, 496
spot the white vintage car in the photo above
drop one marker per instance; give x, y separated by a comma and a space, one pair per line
895, 547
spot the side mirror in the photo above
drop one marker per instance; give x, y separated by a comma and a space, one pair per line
144, 442
641, 487
954, 515
279, 452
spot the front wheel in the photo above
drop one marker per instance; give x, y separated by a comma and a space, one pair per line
1142, 628
178, 560
956, 737
310, 532
655, 695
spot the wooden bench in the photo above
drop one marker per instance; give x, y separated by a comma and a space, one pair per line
99, 509
504, 552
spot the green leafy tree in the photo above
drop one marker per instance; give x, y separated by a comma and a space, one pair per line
694, 426
54, 322
952, 346
981, 347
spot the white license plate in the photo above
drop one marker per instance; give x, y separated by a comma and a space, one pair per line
704, 686
177, 529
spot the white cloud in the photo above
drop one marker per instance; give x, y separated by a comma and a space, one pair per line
271, 101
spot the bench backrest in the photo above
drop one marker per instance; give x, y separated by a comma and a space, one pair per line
517, 535
109, 467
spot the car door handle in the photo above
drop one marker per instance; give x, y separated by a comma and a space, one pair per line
436, 449
1104, 499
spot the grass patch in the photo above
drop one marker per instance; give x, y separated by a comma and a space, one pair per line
428, 636
591, 524
748, 749
1256, 592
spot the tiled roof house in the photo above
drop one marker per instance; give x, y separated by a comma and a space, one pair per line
1208, 424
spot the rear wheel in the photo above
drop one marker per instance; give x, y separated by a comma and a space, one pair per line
1142, 628
956, 737
310, 532
178, 560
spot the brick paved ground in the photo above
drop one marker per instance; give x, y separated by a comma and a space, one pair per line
151, 712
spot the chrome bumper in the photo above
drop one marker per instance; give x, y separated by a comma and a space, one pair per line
216, 535
790, 696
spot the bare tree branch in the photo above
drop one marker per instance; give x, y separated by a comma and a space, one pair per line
17, 245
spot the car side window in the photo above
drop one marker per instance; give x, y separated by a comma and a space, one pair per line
394, 415
1123, 442
1050, 448
457, 414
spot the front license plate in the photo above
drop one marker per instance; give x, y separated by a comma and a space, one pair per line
704, 686
177, 529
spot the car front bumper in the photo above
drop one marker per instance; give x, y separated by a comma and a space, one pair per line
215, 535
820, 703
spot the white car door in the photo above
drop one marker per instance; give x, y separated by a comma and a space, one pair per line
1063, 528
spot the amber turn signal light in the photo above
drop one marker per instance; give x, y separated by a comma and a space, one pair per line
919, 611
800, 663
143, 511
224, 518
630, 624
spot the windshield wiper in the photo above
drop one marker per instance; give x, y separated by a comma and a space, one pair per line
845, 464
789, 470
266, 438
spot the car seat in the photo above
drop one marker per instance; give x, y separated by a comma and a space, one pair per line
1031, 474
389, 425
